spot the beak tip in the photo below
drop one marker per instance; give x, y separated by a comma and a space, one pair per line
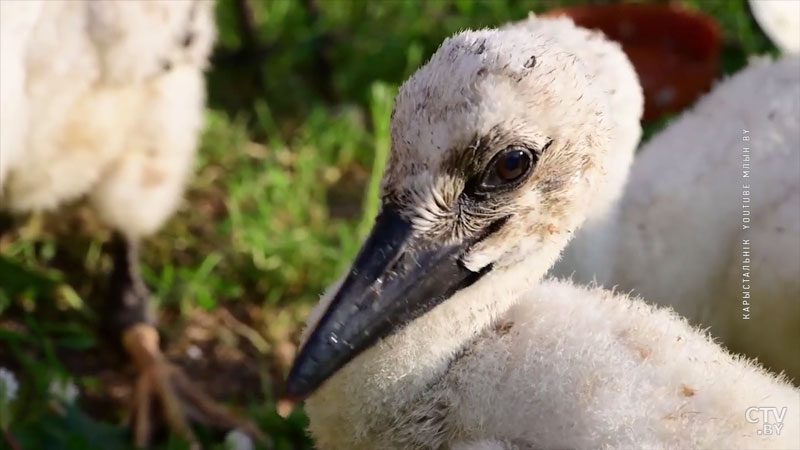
286, 405
297, 386
295, 392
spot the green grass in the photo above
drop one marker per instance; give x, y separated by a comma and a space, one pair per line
284, 189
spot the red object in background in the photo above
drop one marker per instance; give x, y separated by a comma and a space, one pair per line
675, 52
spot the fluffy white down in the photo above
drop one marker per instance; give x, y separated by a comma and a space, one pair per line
615, 76
108, 101
577, 367
510, 363
16, 23
571, 367
680, 226
780, 20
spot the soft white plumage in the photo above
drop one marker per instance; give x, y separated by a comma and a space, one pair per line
567, 367
679, 229
508, 362
780, 20
612, 73
104, 99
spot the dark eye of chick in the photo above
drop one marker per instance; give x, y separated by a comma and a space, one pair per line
512, 164
508, 166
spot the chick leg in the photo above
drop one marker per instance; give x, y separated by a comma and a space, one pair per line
160, 384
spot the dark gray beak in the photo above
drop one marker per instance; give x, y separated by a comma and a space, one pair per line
395, 278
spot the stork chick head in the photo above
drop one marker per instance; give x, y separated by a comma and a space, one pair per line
498, 125
498, 144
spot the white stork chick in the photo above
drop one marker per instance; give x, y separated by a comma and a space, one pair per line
441, 335
710, 220
105, 99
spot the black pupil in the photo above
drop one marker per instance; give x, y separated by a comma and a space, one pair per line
512, 164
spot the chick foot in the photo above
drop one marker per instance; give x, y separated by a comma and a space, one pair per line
162, 386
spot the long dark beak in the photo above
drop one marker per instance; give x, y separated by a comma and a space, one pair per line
395, 279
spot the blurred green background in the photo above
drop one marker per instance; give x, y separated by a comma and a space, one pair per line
300, 94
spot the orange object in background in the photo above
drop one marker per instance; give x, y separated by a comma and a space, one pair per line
675, 52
